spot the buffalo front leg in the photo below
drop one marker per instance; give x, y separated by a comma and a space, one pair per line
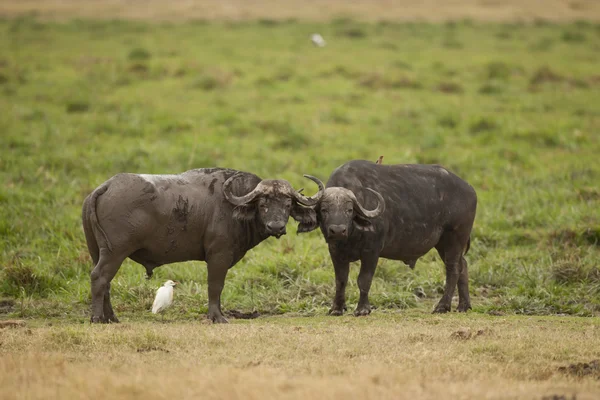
368, 264
341, 267
217, 271
464, 301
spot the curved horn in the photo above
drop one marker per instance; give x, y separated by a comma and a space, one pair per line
312, 200
235, 200
373, 213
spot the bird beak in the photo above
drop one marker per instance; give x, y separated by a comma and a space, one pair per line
176, 283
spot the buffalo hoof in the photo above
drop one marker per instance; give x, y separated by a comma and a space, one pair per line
112, 319
218, 319
336, 312
463, 307
98, 320
441, 308
362, 311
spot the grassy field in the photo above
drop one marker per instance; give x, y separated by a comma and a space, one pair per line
510, 107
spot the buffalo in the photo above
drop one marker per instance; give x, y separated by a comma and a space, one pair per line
398, 212
214, 215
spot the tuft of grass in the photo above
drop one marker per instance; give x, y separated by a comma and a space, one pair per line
570, 237
498, 70
268, 22
22, 279
482, 124
449, 87
573, 37
213, 80
543, 44
77, 107
448, 121
492, 88
568, 272
353, 32
544, 75
139, 54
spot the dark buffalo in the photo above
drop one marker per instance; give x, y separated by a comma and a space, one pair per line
214, 215
398, 212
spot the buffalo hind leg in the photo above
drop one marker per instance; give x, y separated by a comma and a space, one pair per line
464, 301
217, 271
101, 276
109, 314
341, 267
450, 251
368, 264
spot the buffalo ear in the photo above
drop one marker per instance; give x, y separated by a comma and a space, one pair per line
307, 218
244, 213
363, 224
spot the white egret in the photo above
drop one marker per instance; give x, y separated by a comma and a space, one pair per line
164, 297
317, 40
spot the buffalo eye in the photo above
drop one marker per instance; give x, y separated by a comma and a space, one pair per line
349, 211
264, 208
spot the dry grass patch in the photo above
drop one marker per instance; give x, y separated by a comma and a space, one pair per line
269, 11
415, 355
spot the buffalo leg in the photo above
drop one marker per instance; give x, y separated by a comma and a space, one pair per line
368, 263
464, 302
450, 251
341, 267
101, 275
217, 271
109, 314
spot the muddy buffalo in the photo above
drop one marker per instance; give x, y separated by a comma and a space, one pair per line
214, 215
399, 212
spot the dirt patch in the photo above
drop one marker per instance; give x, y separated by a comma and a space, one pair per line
466, 334
12, 323
583, 369
449, 87
242, 315
151, 348
6, 306
138, 68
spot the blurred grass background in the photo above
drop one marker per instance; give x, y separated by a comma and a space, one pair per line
511, 107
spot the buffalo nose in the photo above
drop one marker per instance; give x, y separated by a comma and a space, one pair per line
337, 230
276, 227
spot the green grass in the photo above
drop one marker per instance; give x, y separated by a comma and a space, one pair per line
513, 109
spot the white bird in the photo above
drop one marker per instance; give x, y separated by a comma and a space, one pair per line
317, 40
164, 297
